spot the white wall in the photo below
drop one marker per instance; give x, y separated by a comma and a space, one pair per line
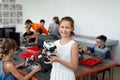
92, 17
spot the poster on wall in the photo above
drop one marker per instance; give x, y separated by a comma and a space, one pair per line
0, 20
18, 7
12, 20
19, 21
19, 14
0, 14
5, 13
12, 1
10, 13
5, 1
0, 6
8, 1
5, 7
6, 21
12, 7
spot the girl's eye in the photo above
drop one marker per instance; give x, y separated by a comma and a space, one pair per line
62, 26
67, 27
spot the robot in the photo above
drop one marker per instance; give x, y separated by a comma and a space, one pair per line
81, 54
31, 63
49, 47
50, 50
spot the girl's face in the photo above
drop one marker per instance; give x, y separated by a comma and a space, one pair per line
65, 29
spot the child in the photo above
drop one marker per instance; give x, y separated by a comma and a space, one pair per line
34, 26
42, 22
29, 35
100, 48
38, 32
53, 28
66, 59
8, 70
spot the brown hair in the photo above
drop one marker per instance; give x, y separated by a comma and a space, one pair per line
6, 45
39, 30
56, 20
102, 37
42, 20
67, 18
28, 21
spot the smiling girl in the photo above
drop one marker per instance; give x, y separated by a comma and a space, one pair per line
66, 59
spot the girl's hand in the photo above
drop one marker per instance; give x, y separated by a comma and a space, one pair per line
37, 68
43, 51
52, 59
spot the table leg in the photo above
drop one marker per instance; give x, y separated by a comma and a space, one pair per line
89, 76
111, 73
80, 78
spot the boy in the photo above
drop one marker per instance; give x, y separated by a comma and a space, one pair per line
42, 22
100, 48
29, 35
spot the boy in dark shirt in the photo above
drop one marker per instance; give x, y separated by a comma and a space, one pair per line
29, 35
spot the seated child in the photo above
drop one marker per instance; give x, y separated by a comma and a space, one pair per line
8, 69
29, 35
99, 49
38, 32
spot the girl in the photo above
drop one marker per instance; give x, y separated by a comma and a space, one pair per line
53, 28
66, 59
8, 70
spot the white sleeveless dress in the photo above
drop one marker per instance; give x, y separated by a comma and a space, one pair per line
59, 71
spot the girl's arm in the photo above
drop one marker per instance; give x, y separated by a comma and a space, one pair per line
20, 65
13, 70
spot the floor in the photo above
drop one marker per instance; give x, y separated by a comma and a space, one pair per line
116, 74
